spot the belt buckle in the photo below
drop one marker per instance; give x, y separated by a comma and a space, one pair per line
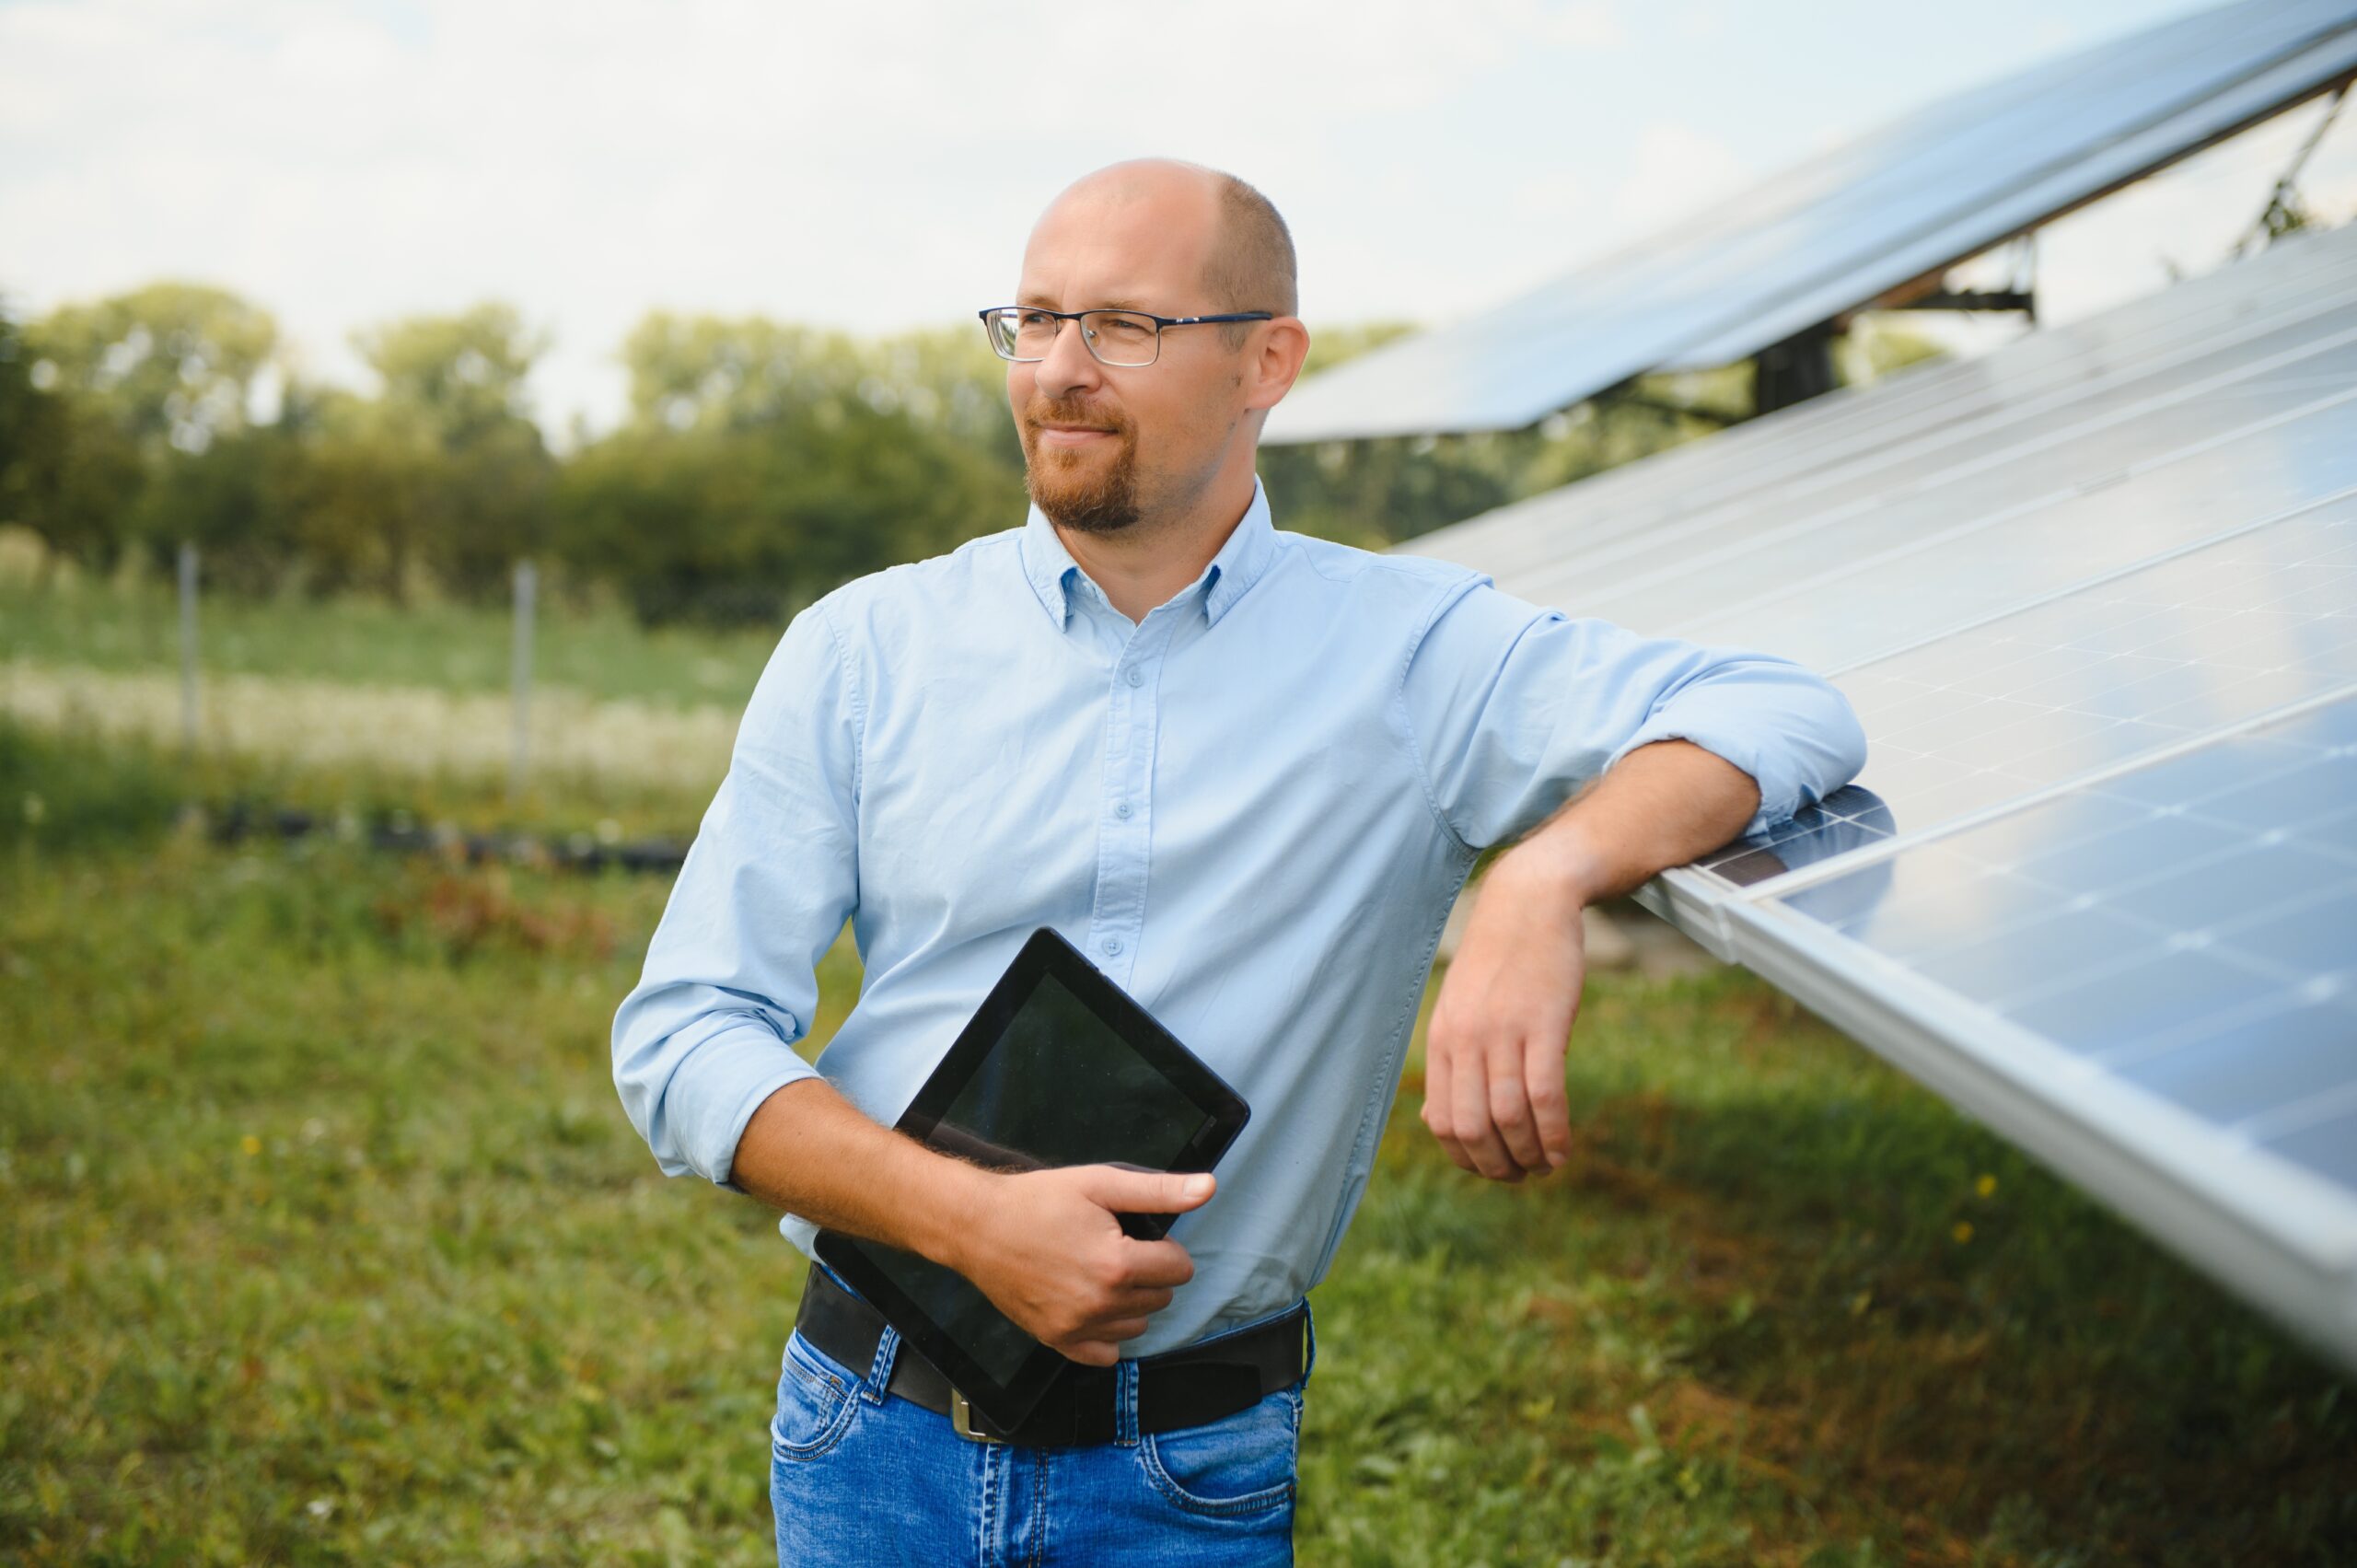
961, 1420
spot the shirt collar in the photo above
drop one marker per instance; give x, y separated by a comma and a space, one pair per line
1250, 549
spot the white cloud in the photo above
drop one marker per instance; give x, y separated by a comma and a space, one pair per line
873, 166
1677, 170
1698, 24
1587, 23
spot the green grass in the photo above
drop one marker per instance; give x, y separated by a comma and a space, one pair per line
323, 1239
134, 626
60, 791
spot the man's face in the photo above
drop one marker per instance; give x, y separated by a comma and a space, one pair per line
1106, 445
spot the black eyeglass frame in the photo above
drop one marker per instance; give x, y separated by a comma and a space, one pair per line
985, 314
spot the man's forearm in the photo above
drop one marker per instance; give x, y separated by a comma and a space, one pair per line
1045, 1245
1661, 806
811, 1152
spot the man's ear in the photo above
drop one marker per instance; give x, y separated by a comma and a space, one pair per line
1283, 347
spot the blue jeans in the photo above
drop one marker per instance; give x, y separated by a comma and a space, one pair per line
861, 1477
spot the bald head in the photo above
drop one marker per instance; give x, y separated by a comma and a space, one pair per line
1249, 261
1110, 445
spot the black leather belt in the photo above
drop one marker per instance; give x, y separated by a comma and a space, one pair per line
1181, 1387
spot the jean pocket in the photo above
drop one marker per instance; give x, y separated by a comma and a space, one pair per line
1240, 1464
816, 1400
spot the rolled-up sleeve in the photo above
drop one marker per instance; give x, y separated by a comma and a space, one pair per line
1511, 706
731, 975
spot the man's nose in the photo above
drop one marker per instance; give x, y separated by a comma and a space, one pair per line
1068, 364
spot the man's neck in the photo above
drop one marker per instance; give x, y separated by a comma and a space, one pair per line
1141, 567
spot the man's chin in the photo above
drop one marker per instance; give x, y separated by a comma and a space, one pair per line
1084, 507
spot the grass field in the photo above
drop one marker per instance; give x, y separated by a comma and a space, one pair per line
132, 627
356, 683
323, 1239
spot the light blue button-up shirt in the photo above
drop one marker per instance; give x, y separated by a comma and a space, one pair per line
1252, 810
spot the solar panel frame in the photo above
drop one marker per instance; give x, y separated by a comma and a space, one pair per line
1839, 232
2283, 1240
2282, 1235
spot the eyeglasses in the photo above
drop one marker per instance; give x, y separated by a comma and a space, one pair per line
1025, 334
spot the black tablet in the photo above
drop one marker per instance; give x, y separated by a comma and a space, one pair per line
1057, 1067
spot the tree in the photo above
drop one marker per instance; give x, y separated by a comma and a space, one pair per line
106, 399
171, 364
66, 473
452, 432
462, 376
747, 525
713, 372
765, 462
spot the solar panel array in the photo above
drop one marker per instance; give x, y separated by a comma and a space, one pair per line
2095, 598
1843, 230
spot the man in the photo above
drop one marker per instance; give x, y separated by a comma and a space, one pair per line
1247, 772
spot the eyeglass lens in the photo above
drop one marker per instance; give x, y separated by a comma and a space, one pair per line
1115, 337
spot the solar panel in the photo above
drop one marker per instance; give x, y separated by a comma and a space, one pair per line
2170, 953
2117, 669
1918, 430
2095, 598
1842, 230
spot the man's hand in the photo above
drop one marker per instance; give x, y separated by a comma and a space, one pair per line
1045, 1248
1493, 1053
1494, 1056
1045, 1245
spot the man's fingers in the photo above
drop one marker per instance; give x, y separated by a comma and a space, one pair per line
1510, 1110
1437, 1069
1152, 1264
1100, 1339
1437, 1119
1543, 1079
1147, 1192
1469, 1116
1137, 1301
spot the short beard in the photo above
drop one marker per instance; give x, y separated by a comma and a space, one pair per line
1103, 505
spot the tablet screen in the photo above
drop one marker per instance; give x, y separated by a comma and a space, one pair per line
1059, 1087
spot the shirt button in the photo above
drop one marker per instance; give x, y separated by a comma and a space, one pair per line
1135, 678
1112, 944
1122, 810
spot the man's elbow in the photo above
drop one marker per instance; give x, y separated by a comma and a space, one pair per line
1846, 739
1823, 746
1827, 742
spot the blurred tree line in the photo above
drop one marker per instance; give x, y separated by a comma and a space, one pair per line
760, 464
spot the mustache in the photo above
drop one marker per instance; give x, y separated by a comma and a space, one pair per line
1054, 410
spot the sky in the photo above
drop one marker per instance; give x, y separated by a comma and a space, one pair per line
876, 167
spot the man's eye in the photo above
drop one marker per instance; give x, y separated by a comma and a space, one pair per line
1032, 318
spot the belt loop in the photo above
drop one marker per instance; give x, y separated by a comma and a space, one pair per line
1125, 1402
1309, 1335
879, 1372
